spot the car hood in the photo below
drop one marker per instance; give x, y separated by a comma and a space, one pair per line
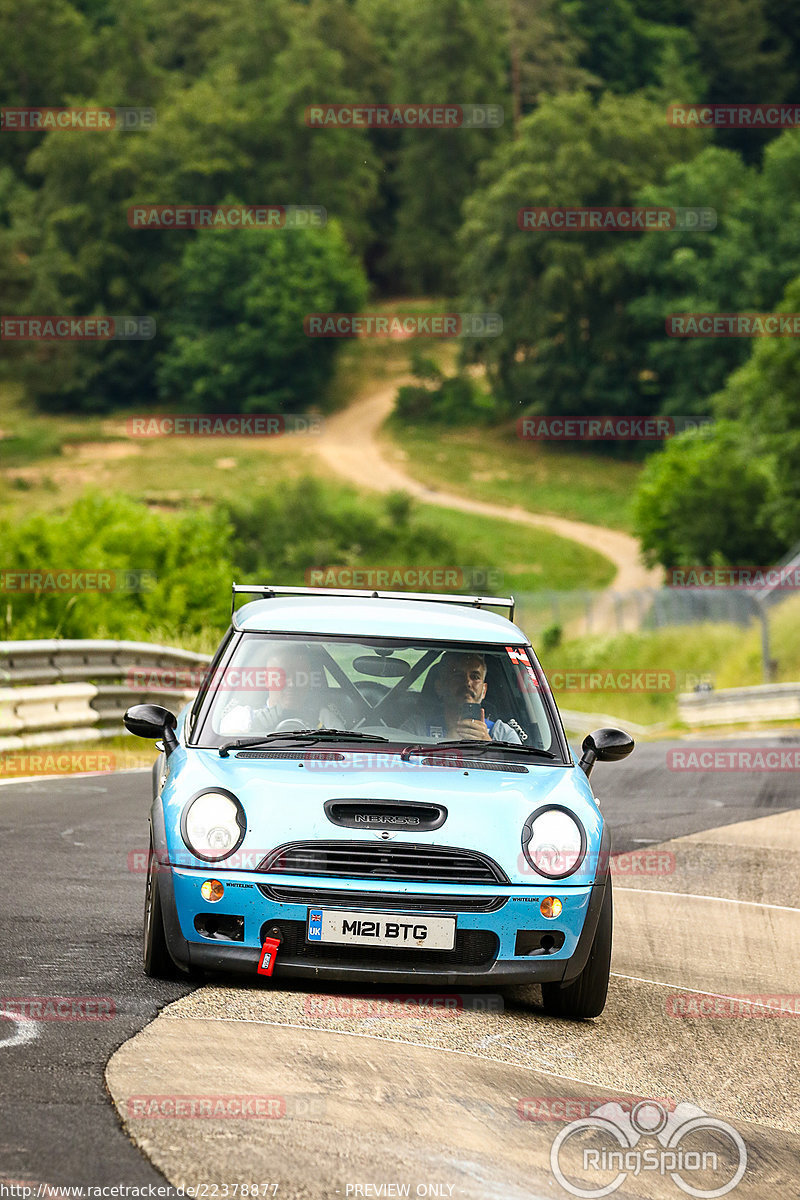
284, 801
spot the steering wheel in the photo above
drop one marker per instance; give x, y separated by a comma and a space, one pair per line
289, 723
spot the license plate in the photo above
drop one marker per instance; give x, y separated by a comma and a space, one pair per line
381, 929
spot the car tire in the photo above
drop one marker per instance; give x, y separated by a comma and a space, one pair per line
156, 957
586, 995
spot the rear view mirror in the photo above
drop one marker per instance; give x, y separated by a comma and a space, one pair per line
381, 668
152, 721
604, 745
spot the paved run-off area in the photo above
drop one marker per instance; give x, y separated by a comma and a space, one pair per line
453, 1102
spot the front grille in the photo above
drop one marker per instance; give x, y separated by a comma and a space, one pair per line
473, 948
404, 861
381, 901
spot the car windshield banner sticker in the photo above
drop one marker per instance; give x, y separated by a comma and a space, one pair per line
520, 659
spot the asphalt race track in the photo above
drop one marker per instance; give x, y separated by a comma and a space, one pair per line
723, 921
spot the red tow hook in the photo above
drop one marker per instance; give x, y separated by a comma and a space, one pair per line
269, 953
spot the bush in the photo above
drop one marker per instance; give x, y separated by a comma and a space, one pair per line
172, 573
282, 534
184, 563
702, 501
457, 400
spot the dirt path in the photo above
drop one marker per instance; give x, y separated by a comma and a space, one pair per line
350, 447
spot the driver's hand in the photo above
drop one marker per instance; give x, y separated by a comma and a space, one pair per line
474, 730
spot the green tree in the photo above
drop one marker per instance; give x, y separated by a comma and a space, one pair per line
763, 396
742, 54
703, 499
621, 46
564, 345
451, 52
237, 129
743, 265
236, 342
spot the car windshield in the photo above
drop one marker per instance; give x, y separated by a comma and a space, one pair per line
398, 692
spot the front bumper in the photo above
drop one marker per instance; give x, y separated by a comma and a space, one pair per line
485, 952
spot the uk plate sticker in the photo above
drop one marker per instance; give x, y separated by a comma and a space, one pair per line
315, 924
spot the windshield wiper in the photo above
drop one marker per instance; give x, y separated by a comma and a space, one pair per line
308, 736
474, 746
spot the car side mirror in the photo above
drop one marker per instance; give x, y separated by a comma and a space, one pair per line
152, 721
605, 745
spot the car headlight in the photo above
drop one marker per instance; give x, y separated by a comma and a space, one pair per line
213, 825
553, 842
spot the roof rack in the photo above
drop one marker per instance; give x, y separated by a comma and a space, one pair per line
268, 592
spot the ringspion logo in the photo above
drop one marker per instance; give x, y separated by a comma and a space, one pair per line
594, 1155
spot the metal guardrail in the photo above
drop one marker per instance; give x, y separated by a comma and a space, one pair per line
763, 702
70, 690
63, 690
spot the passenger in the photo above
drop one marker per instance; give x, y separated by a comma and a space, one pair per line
300, 696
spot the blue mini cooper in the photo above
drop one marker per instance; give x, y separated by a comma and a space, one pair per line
376, 787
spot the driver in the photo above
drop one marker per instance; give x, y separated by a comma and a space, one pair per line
299, 696
461, 679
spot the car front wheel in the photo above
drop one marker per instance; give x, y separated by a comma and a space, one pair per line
586, 995
156, 957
